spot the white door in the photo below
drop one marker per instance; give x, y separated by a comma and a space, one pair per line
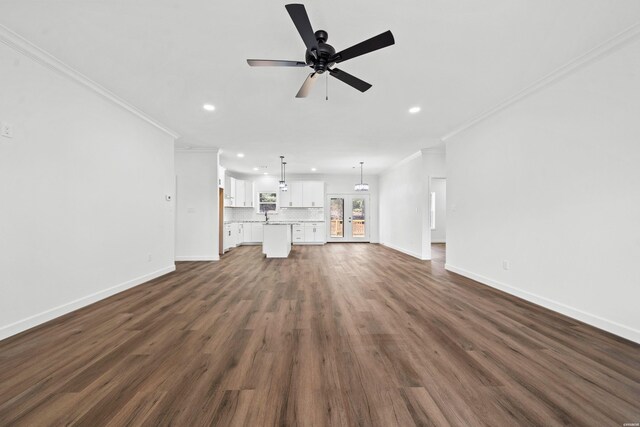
348, 218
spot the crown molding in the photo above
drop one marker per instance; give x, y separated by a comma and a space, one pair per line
570, 67
33, 52
402, 162
197, 149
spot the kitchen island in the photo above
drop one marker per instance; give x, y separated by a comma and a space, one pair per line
276, 240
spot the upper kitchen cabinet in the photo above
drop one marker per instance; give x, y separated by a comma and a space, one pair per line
248, 194
229, 191
312, 194
238, 193
302, 194
293, 197
239, 200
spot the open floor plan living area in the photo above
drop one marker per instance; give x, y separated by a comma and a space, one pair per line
423, 213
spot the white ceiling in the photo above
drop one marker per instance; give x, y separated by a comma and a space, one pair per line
455, 59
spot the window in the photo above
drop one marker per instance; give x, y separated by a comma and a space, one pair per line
267, 202
433, 210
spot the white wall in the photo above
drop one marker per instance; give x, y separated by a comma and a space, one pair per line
404, 202
82, 196
197, 232
402, 206
552, 185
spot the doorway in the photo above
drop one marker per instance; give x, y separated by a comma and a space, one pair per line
348, 218
438, 210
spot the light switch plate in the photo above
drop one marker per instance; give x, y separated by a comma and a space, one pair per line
6, 130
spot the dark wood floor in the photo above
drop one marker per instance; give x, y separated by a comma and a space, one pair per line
336, 335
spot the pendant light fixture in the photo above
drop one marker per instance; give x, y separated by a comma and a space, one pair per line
362, 186
284, 177
282, 184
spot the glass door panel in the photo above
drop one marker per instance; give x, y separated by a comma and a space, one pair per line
348, 217
358, 224
337, 217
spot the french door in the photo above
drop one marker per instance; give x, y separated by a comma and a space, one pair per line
348, 218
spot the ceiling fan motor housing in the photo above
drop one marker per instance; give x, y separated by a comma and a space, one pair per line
321, 60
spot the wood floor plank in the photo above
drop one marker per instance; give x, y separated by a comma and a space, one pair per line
335, 335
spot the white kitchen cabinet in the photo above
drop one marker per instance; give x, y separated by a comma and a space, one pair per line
238, 193
239, 200
284, 198
246, 233
232, 190
298, 234
309, 234
256, 232
296, 189
239, 234
320, 234
302, 194
227, 240
293, 197
314, 233
228, 197
312, 194
248, 194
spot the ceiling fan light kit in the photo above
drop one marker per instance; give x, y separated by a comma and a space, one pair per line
321, 56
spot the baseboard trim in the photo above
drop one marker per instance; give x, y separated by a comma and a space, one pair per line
197, 258
588, 318
405, 251
40, 318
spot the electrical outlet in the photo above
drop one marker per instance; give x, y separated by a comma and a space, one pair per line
149, 258
506, 264
6, 130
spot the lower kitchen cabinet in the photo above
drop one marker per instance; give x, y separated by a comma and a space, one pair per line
257, 233
298, 234
309, 233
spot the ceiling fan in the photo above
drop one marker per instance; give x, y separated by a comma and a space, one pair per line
321, 56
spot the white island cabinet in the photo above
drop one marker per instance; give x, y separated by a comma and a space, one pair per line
276, 241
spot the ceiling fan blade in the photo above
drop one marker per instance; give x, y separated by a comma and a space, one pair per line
374, 43
301, 20
275, 63
307, 85
347, 78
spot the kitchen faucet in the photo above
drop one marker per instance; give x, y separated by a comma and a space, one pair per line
266, 216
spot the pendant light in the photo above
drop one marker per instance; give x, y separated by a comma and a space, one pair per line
284, 177
282, 184
362, 186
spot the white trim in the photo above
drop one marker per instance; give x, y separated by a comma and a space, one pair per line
405, 251
570, 67
28, 49
197, 149
588, 318
401, 162
197, 258
37, 319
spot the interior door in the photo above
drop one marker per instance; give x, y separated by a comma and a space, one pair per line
348, 218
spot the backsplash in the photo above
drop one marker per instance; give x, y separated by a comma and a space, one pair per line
286, 214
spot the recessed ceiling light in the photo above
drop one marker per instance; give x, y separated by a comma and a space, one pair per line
414, 110
266, 173
240, 155
255, 169
209, 107
313, 169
